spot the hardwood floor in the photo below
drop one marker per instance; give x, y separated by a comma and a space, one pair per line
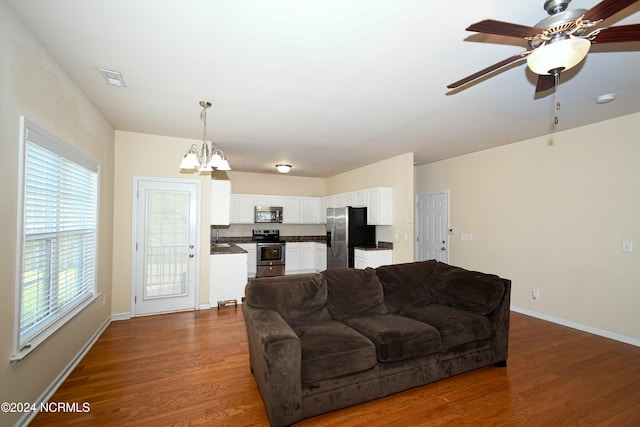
192, 369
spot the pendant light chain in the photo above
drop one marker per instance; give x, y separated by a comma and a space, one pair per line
557, 96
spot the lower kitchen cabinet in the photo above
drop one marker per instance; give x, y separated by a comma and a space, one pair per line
371, 258
227, 277
320, 254
252, 257
299, 258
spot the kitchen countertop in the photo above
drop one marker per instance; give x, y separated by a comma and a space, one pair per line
231, 249
382, 246
248, 239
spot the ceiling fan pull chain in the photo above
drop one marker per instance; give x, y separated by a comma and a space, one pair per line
556, 76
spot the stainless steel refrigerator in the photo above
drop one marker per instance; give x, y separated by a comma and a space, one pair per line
347, 228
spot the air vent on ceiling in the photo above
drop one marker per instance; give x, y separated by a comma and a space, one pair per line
113, 78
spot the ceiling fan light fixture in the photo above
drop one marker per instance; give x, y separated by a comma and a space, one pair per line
282, 168
559, 55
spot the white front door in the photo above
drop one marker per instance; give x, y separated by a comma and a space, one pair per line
166, 214
432, 226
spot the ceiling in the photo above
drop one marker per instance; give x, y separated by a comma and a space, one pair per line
325, 85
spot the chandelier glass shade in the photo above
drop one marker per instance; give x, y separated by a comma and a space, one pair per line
208, 157
558, 56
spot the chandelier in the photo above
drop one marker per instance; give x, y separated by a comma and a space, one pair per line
208, 157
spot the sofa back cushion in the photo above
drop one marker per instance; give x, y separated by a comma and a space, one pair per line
299, 298
472, 291
406, 285
353, 292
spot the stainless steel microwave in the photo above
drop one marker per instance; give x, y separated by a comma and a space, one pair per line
268, 214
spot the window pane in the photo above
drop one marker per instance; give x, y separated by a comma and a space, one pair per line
60, 221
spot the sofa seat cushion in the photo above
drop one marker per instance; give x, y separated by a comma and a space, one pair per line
472, 291
406, 285
353, 292
397, 337
455, 326
331, 349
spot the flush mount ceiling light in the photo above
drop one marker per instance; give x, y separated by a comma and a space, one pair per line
114, 78
282, 168
208, 158
606, 98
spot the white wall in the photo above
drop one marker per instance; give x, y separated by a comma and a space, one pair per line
32, 84
551, 213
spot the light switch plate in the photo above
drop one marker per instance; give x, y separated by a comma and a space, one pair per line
627, 247
466, 236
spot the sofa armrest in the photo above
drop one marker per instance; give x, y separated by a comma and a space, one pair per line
275, 355
499, 319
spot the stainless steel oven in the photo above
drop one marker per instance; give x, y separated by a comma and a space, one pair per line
270, 253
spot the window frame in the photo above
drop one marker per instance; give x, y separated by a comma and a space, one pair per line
30, 132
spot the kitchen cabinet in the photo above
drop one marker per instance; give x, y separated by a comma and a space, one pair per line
320, 254
291, 210
371, 258
360, 199
379, 206
242, 209
252, 258
310, 210
299, 258
267, 200
301, 210
220, 202
292, 258
227, 277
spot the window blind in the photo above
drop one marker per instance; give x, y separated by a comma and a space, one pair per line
59, 233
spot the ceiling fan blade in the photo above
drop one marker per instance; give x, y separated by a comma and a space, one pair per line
488, 70
619, 34
607, 8
491, 26
545, 82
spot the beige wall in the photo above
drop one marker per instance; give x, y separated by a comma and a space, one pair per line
31, 84
282, 185
397, 173
551, 213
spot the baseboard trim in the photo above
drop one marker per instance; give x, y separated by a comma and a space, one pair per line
204, 307
48, 393
578, 326
121, 316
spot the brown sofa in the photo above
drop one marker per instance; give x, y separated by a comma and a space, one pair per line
321, 342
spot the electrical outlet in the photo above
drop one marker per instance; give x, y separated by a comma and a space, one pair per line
627, 247
535, 293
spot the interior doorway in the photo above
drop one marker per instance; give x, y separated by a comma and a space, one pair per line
165, 245
432, 226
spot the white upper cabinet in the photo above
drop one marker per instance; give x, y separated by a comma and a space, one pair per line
291, 210
301, 210
359, 198
242, 209
220, 202
379, 206
310, 210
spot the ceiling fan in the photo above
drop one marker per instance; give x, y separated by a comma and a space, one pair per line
559, 42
